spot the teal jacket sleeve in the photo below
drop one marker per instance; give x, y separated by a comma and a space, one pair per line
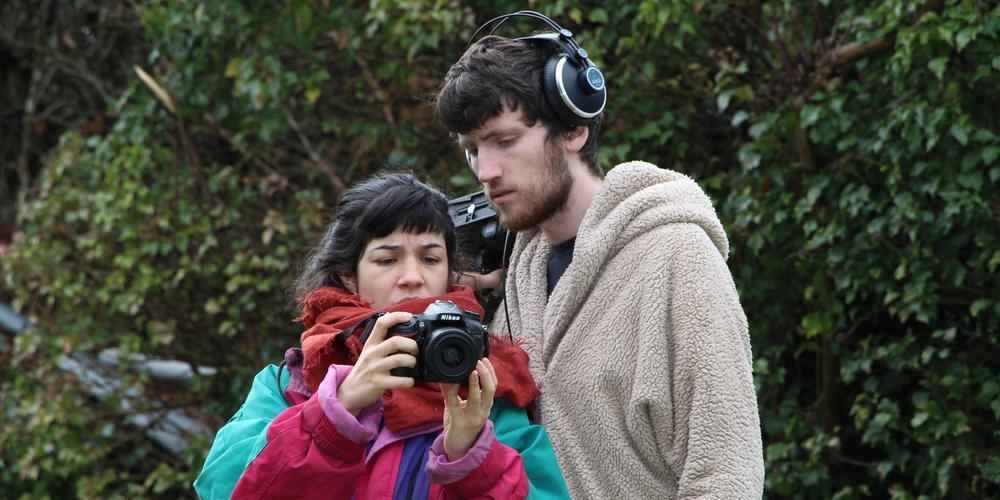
243, 437
513, 429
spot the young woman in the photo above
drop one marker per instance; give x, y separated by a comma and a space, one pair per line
337, 423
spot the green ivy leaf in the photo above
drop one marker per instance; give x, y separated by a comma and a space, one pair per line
740, 117
990, 154
758, 129
946, 34
723, 100
964, 37
312, 94
971, 180
978, 306
810, 115
937, 66
960, 134
991, 469
599, 16
749, 158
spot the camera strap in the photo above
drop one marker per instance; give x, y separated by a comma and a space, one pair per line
368, 325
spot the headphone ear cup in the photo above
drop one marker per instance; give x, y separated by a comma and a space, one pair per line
551, 89
565, 93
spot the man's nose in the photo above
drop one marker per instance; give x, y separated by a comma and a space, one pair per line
487, 166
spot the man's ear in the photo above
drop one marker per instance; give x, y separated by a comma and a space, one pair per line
576, 139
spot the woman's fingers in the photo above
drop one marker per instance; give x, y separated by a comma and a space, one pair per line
383, 324
489, 386
388, 382
450, 394
394, 345
398, 360
488, 374
475, 391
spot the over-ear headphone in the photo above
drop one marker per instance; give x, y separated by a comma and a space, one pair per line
574, 87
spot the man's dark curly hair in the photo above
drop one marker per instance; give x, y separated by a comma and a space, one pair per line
498, 73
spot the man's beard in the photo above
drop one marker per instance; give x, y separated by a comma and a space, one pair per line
549, 198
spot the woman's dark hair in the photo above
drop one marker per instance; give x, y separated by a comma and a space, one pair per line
498, 73
373, 209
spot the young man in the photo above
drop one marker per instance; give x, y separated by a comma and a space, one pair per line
618, 289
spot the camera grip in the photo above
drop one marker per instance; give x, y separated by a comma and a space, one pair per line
403, 371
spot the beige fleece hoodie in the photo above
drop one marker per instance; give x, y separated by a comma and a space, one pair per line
641, 351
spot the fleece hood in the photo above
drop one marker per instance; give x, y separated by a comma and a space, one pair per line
638, 197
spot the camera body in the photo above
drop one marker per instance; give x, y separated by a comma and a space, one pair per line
480, 234
449, 341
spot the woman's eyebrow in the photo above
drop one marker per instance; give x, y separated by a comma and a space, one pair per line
396, 248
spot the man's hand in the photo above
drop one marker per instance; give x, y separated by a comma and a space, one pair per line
464, 420
481, 281
370, 377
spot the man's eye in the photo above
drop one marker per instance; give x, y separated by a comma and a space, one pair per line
384, 262
506, 143
432, 260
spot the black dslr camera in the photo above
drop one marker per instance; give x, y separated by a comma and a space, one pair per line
449, 341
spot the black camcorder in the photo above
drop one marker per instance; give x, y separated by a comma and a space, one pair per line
480, 235
449, 340
481, 242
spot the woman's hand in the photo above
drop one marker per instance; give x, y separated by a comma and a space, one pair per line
370, 377
464, 420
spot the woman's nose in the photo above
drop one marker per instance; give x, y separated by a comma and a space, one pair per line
411, 275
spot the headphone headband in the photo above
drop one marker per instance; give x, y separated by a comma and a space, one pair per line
563, 34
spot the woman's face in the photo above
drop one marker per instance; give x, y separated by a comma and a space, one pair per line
402, 266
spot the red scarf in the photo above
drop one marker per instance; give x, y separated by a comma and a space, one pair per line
328, 311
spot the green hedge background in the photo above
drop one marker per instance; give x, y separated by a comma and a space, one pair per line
851, 147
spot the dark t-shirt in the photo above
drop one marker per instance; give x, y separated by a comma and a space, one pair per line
559, 259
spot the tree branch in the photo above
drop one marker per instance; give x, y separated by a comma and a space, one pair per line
38, 81
216, 127
379, 92
851, 52
331, 172
69, 66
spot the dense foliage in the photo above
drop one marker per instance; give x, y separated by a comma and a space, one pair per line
63, 64
852, 149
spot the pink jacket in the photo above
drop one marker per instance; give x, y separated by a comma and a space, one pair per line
317, 449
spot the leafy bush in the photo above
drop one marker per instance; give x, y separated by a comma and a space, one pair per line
865, 219
847, 146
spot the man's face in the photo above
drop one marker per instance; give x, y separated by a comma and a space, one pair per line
525, 177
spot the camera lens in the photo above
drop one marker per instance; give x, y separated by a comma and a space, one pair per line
450, 354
